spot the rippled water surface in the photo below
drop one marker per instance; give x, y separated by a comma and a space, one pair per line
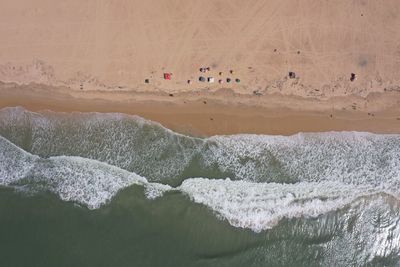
91, 189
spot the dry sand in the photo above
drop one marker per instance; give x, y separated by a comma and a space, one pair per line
94, 56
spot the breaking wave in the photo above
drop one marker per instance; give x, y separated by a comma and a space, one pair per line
251, 181
160, 155
257, 206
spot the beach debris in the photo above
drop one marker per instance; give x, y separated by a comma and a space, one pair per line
202, 79
292, 75
210, 79
353, 77
237, 80
146, 81
167, 76
228, 80
257, 93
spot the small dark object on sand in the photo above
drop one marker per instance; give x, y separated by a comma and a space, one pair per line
171, 94
202, 79
205, 102
228, 80
352, 77
256, 92
237, 80
146, 81
292, 75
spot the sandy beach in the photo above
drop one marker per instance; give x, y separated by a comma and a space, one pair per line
222, 112
97, 55
199, 133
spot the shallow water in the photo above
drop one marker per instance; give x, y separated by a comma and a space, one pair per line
90, 189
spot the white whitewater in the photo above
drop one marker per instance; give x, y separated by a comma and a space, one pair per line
245, 204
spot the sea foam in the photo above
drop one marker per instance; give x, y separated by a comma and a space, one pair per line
85, 181
260, 206
89, 158
245, 204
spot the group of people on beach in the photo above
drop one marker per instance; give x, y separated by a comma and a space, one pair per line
209, 79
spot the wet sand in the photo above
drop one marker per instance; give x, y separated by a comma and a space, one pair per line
212, 114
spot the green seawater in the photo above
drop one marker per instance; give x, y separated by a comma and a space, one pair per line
41, 230
91, 189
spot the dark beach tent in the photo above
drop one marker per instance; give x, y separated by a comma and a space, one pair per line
292, 75
228, 80
237, 80
202, 79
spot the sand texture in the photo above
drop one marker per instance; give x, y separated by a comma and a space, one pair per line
105, 50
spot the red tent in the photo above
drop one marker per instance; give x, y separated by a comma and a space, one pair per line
167, 76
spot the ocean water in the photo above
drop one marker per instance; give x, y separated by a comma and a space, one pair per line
92, 189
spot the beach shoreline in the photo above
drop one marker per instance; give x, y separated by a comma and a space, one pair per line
219, 113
